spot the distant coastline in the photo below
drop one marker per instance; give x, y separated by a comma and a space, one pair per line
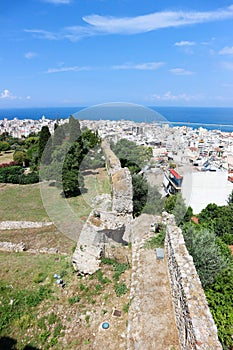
207, 117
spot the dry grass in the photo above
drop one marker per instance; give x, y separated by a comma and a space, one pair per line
37, 238
6, 157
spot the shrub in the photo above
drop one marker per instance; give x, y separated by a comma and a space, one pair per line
73, 300
120, 289
119, 269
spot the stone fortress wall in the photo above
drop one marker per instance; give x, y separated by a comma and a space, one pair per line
110, 219
195, 324
121, 182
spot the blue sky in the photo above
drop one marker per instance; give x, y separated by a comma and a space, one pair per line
85, 52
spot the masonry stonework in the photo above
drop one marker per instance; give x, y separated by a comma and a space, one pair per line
106, 226
195, 324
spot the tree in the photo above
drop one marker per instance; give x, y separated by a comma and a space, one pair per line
140, 190
21, 157
72, 180
175, 205
154, 204
31, 141
4, 146
90, 139
45, 141
206, 253
230, 198
188, 215
32, 154
220, 220
59, 135
132, 156
74, 129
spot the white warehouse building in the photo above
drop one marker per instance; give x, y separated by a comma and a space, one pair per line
200, 188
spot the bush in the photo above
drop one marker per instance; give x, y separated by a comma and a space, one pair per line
73, 300
121, 289
30, 178
4, 146
10, 174
119, 269
206, 253
157, 241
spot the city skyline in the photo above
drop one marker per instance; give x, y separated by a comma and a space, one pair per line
81, 52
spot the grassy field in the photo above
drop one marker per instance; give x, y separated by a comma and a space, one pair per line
36, 311
37, 238
24, 202
6, 157
21, 202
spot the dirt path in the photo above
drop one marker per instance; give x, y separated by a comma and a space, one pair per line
151, 318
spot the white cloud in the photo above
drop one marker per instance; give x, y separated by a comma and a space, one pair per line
157, 20
7, 95
181, 71
29, 55
44, 34
58, 1
140, 66
227, 50
227, 65
185, 43
168, 96
95, 24
68, 69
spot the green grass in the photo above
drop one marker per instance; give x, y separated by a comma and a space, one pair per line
27, 282
156, 241
42, 312
22, 202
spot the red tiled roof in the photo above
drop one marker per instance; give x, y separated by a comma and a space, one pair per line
195, 219
231, 248
175, 174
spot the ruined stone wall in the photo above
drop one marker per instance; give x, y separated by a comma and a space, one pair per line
121, 182
105, 226
113, 164
195, 324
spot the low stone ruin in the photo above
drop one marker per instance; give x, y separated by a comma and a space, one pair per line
12, 247
17, 225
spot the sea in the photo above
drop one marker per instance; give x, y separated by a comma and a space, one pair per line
211, 118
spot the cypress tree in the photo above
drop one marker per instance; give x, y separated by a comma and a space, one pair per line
43, 139
59, 135
74, 129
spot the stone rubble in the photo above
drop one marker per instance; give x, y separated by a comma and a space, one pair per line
17, 225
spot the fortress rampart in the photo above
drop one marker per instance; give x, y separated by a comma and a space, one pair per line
195, 324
